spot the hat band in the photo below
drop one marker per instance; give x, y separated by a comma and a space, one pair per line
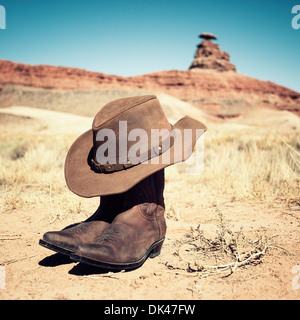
157, 150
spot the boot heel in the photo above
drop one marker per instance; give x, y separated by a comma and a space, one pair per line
156, 250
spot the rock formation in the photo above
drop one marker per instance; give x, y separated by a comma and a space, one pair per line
199, 87
209, 56
208, 36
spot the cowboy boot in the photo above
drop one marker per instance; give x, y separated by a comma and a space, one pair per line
149, 190
125, 245
141, 224
65, 241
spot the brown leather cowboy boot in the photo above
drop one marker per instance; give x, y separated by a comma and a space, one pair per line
125, 245
148, 190
65, 241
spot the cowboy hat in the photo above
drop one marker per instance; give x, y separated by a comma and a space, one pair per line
130, 139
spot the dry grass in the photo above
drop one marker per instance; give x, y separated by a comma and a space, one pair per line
245, 164
240, 164
31, 172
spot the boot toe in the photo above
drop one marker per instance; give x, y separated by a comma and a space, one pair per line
96, 252
59, 239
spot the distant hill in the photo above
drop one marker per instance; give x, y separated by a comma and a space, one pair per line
224, 94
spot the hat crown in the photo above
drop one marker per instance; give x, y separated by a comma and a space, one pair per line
117, 107
125, 118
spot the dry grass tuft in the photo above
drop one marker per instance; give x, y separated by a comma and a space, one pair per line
13, 150
226, 250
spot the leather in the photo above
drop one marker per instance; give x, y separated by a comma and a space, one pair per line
148, 190
121, 117
111, 157
129, 236
71, 237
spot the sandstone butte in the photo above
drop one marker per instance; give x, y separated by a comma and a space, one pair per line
187, 85
209, 55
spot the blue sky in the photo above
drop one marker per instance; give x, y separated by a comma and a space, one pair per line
132, 37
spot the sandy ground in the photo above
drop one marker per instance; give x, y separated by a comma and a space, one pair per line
29, 271
33, 272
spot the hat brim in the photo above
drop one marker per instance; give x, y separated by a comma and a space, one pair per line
85, 182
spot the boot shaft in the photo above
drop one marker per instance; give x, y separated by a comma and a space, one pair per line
149, 190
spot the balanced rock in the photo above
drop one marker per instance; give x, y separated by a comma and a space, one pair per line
208, 36
209, 56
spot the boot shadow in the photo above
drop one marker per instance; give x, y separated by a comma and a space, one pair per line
55, 260
82, 269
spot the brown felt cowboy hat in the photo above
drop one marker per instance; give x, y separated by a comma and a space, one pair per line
130, 139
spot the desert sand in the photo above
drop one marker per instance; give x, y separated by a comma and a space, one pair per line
247, 198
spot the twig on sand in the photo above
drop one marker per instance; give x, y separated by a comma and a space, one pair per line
227, 245
7, 262
111, 275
